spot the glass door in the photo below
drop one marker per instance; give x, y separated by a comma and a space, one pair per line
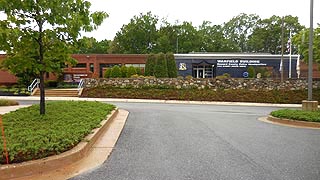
203, 71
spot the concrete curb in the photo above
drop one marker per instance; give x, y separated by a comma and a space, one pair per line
290, 122
51, 163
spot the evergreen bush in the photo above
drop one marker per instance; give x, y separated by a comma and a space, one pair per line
150, 65
131, 71
115, 72
138, 70
107, 73
161, 70
252, 72
171, 66
124, 71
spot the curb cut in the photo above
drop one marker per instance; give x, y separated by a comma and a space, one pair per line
290, 122
51, 163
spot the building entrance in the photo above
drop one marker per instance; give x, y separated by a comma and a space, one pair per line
203, 71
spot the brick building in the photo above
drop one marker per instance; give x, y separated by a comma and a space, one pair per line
197, 65
89, 65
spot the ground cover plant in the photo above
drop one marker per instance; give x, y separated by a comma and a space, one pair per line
169, 93
7, 102
13, 90
33, 136
311, 116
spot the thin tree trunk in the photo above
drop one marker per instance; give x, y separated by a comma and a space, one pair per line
42, 94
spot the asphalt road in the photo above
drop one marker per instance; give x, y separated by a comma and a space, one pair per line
167, 141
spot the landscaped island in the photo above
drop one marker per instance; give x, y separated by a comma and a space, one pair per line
32, 136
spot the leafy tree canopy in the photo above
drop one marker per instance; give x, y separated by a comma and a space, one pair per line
90, 45
37, 35
302, 40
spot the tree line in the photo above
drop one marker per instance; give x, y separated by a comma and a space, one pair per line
246, 33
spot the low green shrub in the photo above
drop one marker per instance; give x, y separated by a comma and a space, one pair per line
32, 136
312, 116
51, 83
107, 73
7, 102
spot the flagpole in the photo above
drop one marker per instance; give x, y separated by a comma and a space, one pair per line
290, 52
282, 32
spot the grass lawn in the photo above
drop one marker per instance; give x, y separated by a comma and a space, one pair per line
31, 136
7, 102
311, 116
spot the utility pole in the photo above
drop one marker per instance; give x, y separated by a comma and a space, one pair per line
282, 48
310, 105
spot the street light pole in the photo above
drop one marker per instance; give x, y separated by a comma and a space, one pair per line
310, 53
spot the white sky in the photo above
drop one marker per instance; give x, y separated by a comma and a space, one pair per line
217, 11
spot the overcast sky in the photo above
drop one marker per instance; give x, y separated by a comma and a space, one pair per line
216, 11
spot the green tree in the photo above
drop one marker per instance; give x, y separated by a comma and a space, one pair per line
212, 39
188, 38
124, 71
167, 38
115, 72
239, 28
171, 66
137, 37
161, 70
131, 71
150, 65
90, 45
301, 40
266, 37
38, 34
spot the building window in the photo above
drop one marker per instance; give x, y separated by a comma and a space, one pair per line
91, 67
81, 65
136, 65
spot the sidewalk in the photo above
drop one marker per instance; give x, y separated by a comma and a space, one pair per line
33, 98
6, 109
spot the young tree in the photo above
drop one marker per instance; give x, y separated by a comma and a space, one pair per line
38, 34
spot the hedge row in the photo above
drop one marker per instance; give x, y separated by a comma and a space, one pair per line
274, 96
